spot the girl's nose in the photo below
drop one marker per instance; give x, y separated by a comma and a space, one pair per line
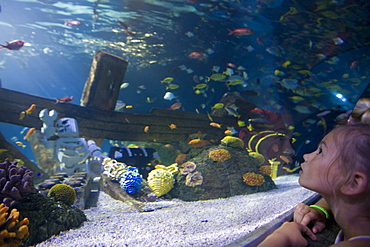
305, 157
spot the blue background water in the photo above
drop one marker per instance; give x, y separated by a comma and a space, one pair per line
56, 59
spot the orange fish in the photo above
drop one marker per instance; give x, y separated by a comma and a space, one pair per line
172, 126
241, 31
29, 133
22, 115
176, 106
64, 100
353, 64
217, 125
30, 109
146, 129
194, 141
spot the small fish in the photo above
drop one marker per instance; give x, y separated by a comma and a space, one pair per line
232, 110
2, 150
169, 96
30, 109
216, 125
197, 55
241, 31
150, 100
23, 130
22, 115
146, 129
286, 64
189, 71
241, 123
20, 144
29, 133
124, 85
260, 41
123, 25
119, 105
13, 45
216, 69
167, 80
353, 65
234, 82
189, 34
194, 141
176, 106
229, 72
218, 106
216, 77
172, 86
129, 106
200, 86
230, 131
73, 23
172, 126
64, 99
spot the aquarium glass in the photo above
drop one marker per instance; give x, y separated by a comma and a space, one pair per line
284, 72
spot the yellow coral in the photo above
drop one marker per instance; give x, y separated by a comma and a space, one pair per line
64, 193
274, 167
13, 230
232, 141
253, 179
219, 155
161, 179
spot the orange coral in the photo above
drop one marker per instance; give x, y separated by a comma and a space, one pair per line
180, 158
188, 167
253, 179
194, 179
13, 230
200, 143
219, 155
266, 170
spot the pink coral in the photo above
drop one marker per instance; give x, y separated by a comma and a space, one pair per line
194, 179
188, 167
253, 179
219, 155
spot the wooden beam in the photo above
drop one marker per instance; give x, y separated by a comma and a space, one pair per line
111, 125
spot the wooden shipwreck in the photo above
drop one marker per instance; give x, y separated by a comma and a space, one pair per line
96, 116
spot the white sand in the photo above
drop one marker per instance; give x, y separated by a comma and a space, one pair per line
178, 223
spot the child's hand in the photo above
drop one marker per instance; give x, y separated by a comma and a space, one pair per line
289, 234
304, 214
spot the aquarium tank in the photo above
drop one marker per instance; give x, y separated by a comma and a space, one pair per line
158, 103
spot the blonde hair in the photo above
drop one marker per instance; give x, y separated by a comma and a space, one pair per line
361, 111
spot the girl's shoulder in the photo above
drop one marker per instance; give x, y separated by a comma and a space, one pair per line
353, 243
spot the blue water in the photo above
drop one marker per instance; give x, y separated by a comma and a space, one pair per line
56, 58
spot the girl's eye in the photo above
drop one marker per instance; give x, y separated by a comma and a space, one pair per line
319, 151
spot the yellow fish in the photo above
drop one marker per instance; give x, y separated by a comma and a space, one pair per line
286, 64
241, 123
200, 86
234, 83
172, 86
2, 150
218, 106
167, 80
216, 77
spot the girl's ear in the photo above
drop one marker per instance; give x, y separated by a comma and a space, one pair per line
356, 185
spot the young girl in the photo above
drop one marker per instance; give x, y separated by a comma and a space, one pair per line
339, 170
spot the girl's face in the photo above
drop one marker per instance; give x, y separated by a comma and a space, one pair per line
318, 171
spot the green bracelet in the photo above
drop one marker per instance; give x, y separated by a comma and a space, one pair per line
322, 209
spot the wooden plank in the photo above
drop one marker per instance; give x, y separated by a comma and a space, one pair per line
107, 124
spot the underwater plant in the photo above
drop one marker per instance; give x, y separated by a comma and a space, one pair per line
219, 155
63, 193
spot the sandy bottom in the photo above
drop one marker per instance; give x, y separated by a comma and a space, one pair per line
178, 223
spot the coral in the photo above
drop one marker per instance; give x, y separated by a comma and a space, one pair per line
128, 176
274, 167
258, 156
253, 179
219, 155
12, 230
232, 141
130, 181
180, 158
199, 143
64, 193
15, 182
188, 167
161, 179
266, 170
194, 179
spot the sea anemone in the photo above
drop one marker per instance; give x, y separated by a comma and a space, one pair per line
194, 179
232, 141
253, 179
219, 155
188, 167
64, 193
